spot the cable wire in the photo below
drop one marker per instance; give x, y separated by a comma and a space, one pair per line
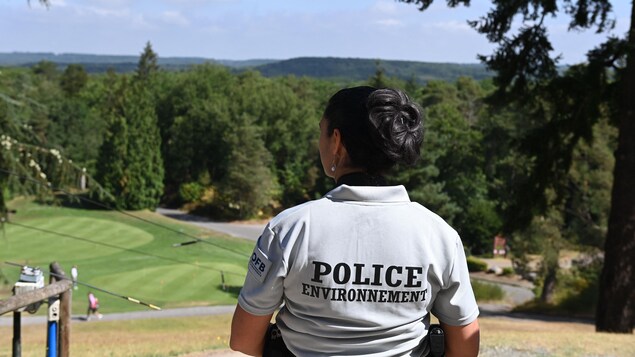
131, 299
103, 205
121, 248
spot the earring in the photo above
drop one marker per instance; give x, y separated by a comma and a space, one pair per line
333, 163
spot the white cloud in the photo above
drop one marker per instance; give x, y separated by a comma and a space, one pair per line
390, 23
213, 29
58, 3
385, 7
174, 18
103, 12
139, 21
197, 2
453, 26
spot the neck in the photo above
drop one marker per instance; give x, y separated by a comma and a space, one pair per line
346, 171
361, 179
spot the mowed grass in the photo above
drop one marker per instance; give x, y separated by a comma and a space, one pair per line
124, 255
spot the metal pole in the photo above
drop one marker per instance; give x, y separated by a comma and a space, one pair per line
17, 348
64, 313
52, 336
51, 341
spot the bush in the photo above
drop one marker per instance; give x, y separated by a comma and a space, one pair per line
191, 192
487, 292
475, 264
507, 271
578, 289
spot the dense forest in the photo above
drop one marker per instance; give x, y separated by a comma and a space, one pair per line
242, 145
330, 68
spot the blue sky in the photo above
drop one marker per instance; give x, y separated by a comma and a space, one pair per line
276, 29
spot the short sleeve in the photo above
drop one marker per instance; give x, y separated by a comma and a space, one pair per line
262, 291
455, 303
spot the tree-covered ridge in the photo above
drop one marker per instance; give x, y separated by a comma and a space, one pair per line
361, 69
343, 69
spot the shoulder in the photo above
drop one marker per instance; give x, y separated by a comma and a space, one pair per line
432, 218
431, 224
296, 214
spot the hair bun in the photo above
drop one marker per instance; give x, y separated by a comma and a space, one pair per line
397, 125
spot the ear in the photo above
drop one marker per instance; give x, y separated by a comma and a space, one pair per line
336, 142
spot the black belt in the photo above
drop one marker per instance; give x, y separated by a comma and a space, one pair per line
275, 346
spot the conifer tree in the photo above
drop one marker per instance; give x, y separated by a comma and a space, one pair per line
143, 160
147, 66
130, 164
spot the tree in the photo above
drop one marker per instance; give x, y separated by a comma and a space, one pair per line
454, 138
129, 165
193, 116
286, 111
73, 79
29, 163
147, 66
248, 183
46, 69
564, 108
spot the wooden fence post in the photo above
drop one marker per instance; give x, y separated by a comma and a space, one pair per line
17, 338
59, 285
65, 312
17, 301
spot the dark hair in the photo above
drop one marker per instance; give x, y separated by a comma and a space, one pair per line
379, 127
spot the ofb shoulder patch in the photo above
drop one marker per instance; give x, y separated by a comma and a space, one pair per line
259, 265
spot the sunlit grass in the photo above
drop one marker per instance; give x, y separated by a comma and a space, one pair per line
124, 255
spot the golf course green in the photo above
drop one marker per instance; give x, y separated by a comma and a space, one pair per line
125, 253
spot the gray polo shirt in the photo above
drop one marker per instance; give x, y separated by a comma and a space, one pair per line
357, 273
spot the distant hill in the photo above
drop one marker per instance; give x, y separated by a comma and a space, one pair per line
101, 63
362, 69
350, 69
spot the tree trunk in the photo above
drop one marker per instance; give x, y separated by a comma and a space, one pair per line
549, 285
616, 305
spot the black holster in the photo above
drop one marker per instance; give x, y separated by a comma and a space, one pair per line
274, 344
436, 341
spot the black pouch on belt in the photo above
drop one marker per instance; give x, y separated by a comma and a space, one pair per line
274, 344
436, 340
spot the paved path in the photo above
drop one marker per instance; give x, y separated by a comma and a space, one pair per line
27, 319
242, 230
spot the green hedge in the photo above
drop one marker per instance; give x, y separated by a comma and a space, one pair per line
487, 292
475, 264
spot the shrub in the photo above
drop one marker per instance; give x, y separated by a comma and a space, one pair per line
191, 192
507, 271
474, 264
487, 292
578, 289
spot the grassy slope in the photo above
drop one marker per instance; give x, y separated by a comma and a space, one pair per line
500, 336
189, 275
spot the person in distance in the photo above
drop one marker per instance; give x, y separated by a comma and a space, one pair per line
359, 271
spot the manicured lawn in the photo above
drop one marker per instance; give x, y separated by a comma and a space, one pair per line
125, 255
